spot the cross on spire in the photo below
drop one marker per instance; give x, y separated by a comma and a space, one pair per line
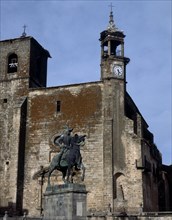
24, 31
111, 25
111, 6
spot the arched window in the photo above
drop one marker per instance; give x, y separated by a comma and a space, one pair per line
12, 63
118, 180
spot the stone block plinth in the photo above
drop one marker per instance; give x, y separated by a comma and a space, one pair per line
65, 202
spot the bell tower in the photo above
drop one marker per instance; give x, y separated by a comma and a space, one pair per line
113, 76
113, 62
23, 65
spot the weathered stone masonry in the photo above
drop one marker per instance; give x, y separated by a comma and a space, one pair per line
124, 169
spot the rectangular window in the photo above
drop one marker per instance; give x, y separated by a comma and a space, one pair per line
58, 106
5, 101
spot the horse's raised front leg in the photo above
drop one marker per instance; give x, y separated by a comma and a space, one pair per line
83, 172
51, 169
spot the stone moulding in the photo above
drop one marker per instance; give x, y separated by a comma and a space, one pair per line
65, 188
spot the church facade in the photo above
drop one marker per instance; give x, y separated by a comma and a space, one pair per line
124, 170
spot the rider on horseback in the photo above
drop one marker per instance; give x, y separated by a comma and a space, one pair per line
78, 141
64, 142
69, 155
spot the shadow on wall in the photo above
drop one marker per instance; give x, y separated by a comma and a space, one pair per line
11, 210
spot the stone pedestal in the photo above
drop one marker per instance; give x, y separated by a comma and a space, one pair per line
65, 202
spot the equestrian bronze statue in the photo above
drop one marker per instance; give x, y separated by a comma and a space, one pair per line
69, 157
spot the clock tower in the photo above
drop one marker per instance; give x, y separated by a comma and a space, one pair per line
113, 76
113, 62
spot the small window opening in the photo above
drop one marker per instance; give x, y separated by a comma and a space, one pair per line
5, 101
58, 106
118, 50
105, 51
113, 48
12, 63
7, 163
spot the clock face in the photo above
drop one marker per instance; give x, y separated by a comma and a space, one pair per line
118, 71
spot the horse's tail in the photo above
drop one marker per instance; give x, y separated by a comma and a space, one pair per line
46, 169
42, 171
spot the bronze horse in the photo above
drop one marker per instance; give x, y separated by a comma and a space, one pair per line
69, 160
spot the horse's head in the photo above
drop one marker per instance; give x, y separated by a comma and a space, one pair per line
78, 140
82, 138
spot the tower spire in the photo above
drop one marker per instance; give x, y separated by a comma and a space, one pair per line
111, 25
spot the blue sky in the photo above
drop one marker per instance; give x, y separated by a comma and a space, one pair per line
70, 30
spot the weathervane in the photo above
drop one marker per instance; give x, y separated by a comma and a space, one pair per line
24, 31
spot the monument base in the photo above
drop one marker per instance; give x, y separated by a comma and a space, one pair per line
65, 202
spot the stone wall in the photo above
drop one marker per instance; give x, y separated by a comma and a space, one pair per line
148, 217
89, 109
14, 89
130, 183
81, 109
144, 216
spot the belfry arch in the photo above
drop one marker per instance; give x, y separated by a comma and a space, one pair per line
12, 63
